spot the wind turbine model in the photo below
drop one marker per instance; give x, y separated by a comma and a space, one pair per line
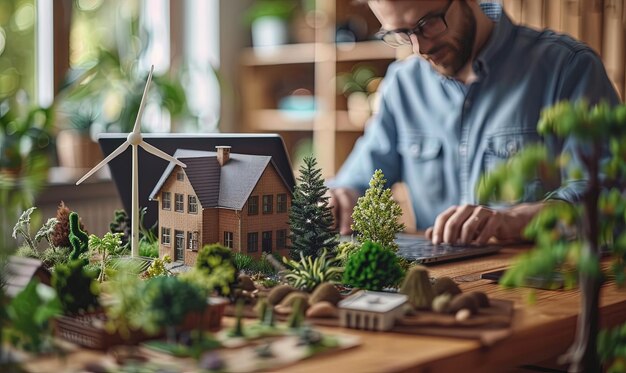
135, 139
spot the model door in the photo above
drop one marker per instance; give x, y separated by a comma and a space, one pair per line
266, 244
179, 245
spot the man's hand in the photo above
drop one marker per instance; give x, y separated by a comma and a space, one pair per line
478, 224
342, 202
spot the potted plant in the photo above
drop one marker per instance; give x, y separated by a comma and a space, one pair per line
268, 21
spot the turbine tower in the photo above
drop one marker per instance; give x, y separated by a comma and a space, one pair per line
135, 139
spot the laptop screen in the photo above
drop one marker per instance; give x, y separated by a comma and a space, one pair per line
151, 167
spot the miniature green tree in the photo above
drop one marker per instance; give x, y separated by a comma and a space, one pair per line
593, 221
216, 256
78, 239
310, 218
76, 286
110, 244
169, 300
373, 267
376, 214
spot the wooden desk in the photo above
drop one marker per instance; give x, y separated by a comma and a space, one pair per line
539, 332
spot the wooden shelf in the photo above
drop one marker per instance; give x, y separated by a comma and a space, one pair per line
365, 50
278, 121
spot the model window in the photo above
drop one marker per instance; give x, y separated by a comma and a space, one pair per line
180, 176
166, 200
192, 241
281, 239
268, 201
253, 205
165, 236
253, 242
179, 245
228, 239
179, 202
192, 204
281, 203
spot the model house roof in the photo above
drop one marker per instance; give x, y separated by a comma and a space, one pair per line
373, 301
227, 186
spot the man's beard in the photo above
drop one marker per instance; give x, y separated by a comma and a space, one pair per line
463, 47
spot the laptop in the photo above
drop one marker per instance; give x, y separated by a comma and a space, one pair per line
151, 167
420, 250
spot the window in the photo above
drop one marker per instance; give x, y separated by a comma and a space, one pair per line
165, 236
268, 201
166, 200
228, 239
179, 202
179, 245
253, 205
253, 242
192, 204
281, 202
266, 242
180, 176
281, 239
192, 241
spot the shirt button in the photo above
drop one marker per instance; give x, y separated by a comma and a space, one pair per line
463, 150
415, 150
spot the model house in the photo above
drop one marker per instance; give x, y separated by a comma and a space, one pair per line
371, 310
238, 200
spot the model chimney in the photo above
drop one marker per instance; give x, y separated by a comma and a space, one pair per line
223, 154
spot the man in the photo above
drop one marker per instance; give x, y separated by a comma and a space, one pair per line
471, 99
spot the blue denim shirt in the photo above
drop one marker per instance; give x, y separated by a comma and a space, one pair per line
439, 135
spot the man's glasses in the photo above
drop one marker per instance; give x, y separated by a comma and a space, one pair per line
429, 26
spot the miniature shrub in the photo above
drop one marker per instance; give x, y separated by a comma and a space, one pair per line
121, 224
157, 268
76, 286
243, 262
212, 257
28, 252
51, 257
372, 268
79, 240
150, 250
307, 273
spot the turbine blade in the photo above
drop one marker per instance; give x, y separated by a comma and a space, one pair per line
161, 154
137, 126
106, 160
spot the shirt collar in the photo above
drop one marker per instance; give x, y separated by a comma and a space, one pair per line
502, 30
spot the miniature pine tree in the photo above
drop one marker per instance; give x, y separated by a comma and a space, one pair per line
595, 219
310, 218
376, 214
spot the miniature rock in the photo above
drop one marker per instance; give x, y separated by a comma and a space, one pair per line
441, 303
481, 298
291, 299
278, 293
325, 292
246, 283
444, 285
463, 314
418, 288
322, 309
463, 301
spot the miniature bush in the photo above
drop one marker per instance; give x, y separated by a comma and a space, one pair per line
308, 272
121, 224
107, 246
373, 267
60, 237
51, 257
76, 286
157, 268
28, 252
150, 250
376, 214
212, 257
79, 240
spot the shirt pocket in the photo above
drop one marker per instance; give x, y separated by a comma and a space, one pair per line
424, 165
504, 145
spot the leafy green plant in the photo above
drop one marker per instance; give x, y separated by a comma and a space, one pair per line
125, 312
572, 235
373, 267
121, 224
75, 286
149, 250
243, 262
157, 268
376, 214
310, 217
612, 349
345, 250
79, 240
107, 246
309, 272
169, 300
212, 257
29, 315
